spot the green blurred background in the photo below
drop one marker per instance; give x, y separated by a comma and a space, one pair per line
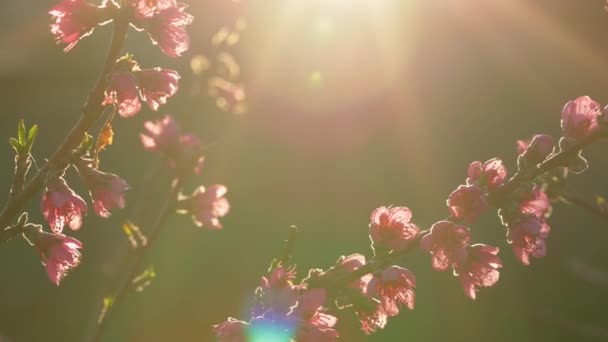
352, 105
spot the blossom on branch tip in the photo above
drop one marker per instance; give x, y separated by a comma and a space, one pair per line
391, 227
480, 269
107, 190
536, 203
123, 92
58, 253
76, 19
154, 86
166, 26
490, 174
394, 287
467, 203
580, 118
447, 242
537, 149
207, 206
528, 236
60, 205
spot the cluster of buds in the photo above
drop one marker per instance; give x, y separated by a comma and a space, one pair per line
165, 21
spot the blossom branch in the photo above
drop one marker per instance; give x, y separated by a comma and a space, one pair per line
124, 285
92, 110
558, 159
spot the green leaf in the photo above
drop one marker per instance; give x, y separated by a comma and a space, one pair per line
21, 133
31, 137
15, 143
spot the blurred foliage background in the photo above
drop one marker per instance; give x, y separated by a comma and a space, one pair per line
351, 105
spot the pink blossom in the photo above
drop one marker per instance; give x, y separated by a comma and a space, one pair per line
156, 85
59, 253
528, 236
492, 174
208, 205
147, 8
162, 136
166, 27
537, 149
153, 85
480, 269
277, 294
391, 227
318, 328
60, 205
314, 324
395, 287
580, 118
447, 243
536, 203
467, 203
232, 330
123, 91
107, 190
76, 19
371, 318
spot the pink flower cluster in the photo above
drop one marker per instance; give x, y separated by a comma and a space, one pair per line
184, 151
289, 311
165, 21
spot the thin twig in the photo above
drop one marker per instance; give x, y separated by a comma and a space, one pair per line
124, 285
589, 206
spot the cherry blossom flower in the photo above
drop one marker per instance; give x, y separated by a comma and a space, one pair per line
60, 205
372, 318
537, 149
536, 203
156, 85
394, 287
580, 118
123, 92
447, 243
147, 8
59, 253
467, 203
313, 323
318, 328
480, 269
391, 227
207, 206
153, 85
490, 174
107, 190
528, 236
76, 19
166, 26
